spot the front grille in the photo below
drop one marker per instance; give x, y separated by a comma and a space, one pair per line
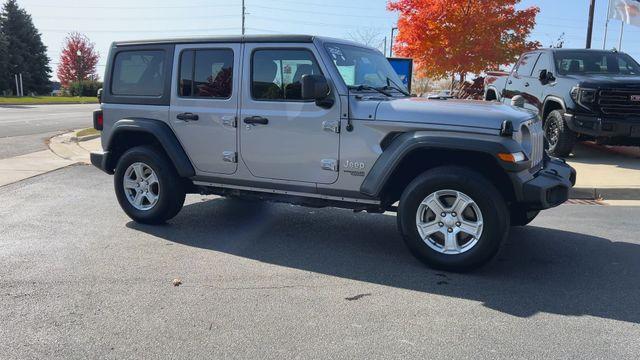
537, 143
618, 102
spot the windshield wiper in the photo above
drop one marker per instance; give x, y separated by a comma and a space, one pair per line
368, 87
396, 87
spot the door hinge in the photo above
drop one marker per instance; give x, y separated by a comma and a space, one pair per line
229, 121
331, 125
229, 156
329, 164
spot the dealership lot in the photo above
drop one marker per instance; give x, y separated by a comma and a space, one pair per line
264, 280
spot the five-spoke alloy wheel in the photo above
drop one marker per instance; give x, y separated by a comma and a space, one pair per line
449, 221
148, 186
453, 218
141, 186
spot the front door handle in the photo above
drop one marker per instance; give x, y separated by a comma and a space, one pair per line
256, 120
526, 84
510, 82
187, 116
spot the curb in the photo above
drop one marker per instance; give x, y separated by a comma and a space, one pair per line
53, 103
584, 193
77, 138
84, 138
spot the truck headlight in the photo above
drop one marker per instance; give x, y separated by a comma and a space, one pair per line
583, 95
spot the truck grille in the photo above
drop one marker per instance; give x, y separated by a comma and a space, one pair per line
537, 143
618, 102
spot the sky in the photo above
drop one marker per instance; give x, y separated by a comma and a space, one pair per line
107, 21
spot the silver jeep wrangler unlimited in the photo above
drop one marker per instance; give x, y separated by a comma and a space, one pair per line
319, 122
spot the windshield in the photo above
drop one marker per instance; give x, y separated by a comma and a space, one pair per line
363, 67
582, 62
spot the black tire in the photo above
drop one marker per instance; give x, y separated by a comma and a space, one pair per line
489, 200
560, 138
522, 217
169, 202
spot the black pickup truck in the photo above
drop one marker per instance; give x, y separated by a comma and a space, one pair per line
579, 94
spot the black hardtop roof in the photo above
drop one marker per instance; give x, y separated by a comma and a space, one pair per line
222, 39
560, 50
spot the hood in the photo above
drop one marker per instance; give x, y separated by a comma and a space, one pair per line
606, 80
483, 114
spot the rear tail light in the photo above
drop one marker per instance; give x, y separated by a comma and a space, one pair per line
98, 120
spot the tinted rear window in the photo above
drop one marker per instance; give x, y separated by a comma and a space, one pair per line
207, 74
138, 73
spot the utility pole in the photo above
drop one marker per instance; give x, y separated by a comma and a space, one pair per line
385, 46
243, 15
590, 26
79, 53
393, 29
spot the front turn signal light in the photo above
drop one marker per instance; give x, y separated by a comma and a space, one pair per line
512, 157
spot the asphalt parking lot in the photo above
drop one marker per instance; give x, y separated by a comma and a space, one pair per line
80, 280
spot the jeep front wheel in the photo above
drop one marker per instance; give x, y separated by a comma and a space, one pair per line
147, 185
452, 218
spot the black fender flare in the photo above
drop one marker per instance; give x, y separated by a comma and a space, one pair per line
549, 99
162, 133
406, 143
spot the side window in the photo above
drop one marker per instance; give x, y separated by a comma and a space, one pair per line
542, 64
277, 74
526, 63
206, 73
138, 73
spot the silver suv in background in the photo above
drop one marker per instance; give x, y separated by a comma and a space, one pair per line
319, 122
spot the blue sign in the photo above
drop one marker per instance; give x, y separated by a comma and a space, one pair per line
404, 69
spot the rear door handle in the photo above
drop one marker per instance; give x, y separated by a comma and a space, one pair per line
256, 120
510, 82
187, 116
526, 84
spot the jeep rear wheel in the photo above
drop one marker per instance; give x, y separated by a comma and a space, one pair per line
560, 138
147, 185
452, 218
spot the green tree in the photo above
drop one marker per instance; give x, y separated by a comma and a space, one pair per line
4, 63
27, 54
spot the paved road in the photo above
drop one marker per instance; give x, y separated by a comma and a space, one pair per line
25, 128
80, 280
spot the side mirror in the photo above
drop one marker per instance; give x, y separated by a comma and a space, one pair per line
316, 87
545, 76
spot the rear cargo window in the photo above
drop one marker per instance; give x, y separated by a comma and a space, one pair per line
206, 73
138, 73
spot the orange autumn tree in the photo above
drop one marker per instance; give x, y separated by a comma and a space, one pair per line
455, 37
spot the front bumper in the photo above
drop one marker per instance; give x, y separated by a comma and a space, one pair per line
604, 126
100, 159
550, 186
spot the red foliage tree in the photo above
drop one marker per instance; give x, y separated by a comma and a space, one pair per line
78, 60
449, 37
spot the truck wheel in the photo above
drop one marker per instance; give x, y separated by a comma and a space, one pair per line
522, 217
452, 218
147, 185
561, 139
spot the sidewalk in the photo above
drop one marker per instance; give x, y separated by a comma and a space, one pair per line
64, 150
611, 173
